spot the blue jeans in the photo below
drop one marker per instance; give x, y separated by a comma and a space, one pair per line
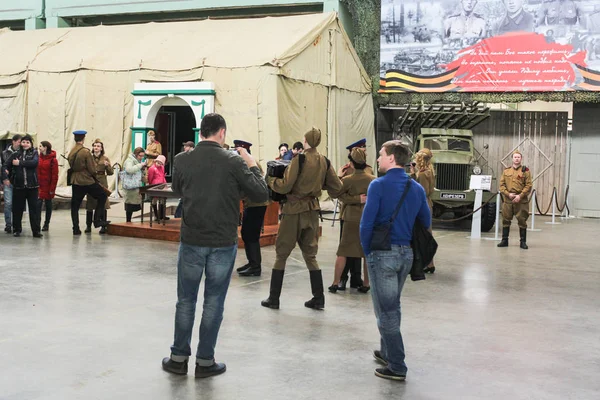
8, 196
387, 273
217, 264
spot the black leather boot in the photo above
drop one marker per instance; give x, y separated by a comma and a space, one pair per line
275, 292
523, 233
316, 285
163, 212
253, 254
156, 216
355, 273
505, 232
89, 217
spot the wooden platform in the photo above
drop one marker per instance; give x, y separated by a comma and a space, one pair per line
170, 231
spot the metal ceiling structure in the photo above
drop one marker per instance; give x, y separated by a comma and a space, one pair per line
412, 117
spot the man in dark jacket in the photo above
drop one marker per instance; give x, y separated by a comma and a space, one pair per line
211, 182
21, 169
8, 189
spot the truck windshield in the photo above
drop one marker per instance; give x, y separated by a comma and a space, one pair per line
451, 144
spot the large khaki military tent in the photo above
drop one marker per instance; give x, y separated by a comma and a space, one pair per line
274, 79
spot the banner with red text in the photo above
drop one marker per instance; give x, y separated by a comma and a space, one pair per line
490, 46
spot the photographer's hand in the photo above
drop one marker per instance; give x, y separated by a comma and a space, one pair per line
250, 161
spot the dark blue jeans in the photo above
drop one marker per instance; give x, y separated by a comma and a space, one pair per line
216, 264
387, 273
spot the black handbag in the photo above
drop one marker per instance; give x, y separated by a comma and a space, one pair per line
382, 239
424, 248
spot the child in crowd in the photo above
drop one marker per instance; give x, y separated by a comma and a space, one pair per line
157, 175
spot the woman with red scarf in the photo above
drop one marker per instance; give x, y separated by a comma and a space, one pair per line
47, 178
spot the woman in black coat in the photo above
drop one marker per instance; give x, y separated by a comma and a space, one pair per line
21, 169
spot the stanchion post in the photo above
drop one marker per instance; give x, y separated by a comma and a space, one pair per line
498, 202
532, 229
476, 223
554, 209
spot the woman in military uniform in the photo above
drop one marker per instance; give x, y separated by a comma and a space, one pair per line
103, 169
422, 172
154, 148
353, 195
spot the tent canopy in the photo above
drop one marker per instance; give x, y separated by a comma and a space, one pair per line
275, 78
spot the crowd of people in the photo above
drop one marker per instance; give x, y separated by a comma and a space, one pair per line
395, 202
209, 233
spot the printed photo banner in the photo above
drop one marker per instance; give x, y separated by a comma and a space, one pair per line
490, 46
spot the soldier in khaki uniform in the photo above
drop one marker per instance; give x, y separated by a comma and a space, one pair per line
153, 150
515, 186
352, 263
252, 222
84, 182
300, 216
353, 194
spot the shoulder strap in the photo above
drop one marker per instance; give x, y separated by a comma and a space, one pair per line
75, 156
406, 189
301, 160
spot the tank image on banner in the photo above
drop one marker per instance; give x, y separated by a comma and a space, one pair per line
489, 45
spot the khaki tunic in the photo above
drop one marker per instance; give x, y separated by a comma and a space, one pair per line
83, 166
427, 180
102, 171
153, 150
300, 214
352, 187
517, 181
348, 170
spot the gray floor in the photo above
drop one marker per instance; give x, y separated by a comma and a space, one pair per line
91, 317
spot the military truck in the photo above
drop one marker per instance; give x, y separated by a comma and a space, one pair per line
454, 162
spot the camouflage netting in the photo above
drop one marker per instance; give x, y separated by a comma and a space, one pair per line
366, 15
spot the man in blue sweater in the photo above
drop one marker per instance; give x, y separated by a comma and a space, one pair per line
388, 269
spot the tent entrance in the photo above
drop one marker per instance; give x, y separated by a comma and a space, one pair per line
174, 125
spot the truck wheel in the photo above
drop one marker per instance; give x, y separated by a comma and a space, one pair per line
488, 217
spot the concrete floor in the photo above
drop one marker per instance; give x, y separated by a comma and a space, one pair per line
91, 317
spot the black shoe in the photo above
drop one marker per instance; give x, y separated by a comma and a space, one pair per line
333, 288
377, 356
16, 234
103, 230
342, 284
88, 229
385, 373
240, 269
38, 235
76, 232
503, 243
429, 270
8, 229
100, 224
252, 271
174, 367
206, 372
524, 245
270, 303
364, 289
356, 285
45, 227
316, 303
